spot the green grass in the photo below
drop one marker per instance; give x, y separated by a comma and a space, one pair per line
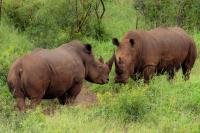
162, 106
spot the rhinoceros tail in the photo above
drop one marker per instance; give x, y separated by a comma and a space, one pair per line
192, 54
14, 79
190, 60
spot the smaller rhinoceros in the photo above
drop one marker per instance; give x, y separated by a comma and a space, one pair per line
160, 50
55, 73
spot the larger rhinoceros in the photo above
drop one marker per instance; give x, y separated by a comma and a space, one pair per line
55, 73
159, 50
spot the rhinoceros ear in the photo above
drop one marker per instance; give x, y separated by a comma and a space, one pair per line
88, 48
115, 41
132, 42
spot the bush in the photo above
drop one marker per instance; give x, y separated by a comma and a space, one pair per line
12, 46
21, 12
184, 13
54, 22
128, 105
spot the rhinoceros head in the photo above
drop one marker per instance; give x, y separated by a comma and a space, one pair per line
123, 59
97, 71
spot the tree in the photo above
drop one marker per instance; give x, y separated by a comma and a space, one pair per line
84, 10
99, 16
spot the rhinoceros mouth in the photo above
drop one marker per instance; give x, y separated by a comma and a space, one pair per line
102, 81
120, 80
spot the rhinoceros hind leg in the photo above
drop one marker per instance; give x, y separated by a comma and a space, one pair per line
186, 71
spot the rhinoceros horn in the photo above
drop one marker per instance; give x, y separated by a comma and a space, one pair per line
110, 62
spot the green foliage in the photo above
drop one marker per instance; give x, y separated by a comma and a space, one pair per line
21, 12
127, 105
49, 23
184, 13
12, 45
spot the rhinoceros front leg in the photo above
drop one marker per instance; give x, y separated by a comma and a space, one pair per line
35, 101
71, 94
148, 73
171, 74
21, 103
136, 76
63, 98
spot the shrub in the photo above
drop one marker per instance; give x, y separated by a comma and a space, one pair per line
12, 46
21, 12
184, 13
54, 22
128, 105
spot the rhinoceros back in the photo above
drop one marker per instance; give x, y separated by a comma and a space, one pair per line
61, 67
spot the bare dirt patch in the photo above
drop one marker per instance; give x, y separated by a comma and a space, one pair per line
86, 97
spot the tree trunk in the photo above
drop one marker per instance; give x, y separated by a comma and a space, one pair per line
136, 21
1, 1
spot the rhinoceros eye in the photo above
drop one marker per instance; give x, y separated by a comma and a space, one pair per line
100, 67
120, 61
119, 71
